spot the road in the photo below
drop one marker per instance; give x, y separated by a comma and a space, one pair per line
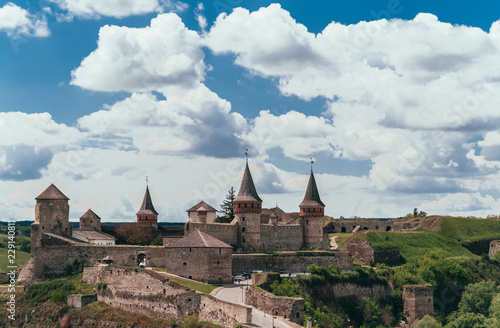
234, 294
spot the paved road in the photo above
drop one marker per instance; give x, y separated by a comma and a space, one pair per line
233, 294
333, 243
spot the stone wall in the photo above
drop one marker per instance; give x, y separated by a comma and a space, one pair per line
205, 264
79, 301
151, 293
281, 237
348, 225
55, 261
494, 247
365, 251
417, 302
289, 308
226, 232
293, 261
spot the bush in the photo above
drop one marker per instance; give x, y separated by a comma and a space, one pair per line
191, 322
477, 298
427, 322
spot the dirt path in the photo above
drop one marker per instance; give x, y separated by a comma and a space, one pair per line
333, 243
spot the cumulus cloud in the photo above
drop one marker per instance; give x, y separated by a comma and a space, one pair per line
92, 9
143, 59
23, 162
16, 22
192, 121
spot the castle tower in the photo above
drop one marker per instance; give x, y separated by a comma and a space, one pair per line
247, 208
147, 214
312, 211
90, 221
51, 215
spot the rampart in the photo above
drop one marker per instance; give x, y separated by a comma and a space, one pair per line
226, 232
366, 252
150, 293
79, 301
278, 237
290, 308
54, 261
494, 247
293, 261
348, 225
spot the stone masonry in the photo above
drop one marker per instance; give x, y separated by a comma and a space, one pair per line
418, 302
494, 247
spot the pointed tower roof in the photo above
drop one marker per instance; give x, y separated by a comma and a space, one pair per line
311, 198
90, 215
247, 190
147, 204
52, 193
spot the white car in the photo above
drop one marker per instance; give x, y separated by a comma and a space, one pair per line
239, 278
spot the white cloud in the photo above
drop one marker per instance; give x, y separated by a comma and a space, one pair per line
143, 59
17, 21
91, 9
193, 121
461, 204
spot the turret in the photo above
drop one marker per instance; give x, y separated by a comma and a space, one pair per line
312, 211
147, 214
51, 214
90, 221
247, 208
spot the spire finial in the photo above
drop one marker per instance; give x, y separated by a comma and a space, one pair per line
246, 154
147, 180
312, 162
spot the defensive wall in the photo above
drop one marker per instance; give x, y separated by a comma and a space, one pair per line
226, 232
293, 261
79, 301
290, 308
494, 247
278, 237
366, 252
150, 293
54, 261
348, 225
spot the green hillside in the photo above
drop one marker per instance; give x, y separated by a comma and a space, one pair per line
452, 236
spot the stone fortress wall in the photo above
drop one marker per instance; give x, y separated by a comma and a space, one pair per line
348, 225
150, 293
365, 251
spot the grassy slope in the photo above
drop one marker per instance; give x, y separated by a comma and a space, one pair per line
201, 287
21, 257
436, 233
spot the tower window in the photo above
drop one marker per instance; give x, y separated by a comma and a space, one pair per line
184, 263
243, 229
242, 218
245, 205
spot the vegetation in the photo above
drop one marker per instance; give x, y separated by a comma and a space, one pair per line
133, 234
204, 288
23, 249
227, 208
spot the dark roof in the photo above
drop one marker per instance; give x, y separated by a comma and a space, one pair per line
86, 235
199, 239
147, 204
52, 193
283, 217
247, 190
311, 198
207, 207
90, 215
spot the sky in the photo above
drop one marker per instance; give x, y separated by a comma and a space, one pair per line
396, 102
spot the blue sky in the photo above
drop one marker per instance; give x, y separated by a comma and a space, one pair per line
394, 100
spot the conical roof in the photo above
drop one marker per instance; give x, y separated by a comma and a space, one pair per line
147, 204
247, 190
52, 193
311, 198
90, 215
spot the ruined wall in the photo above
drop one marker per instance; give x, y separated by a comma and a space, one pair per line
494, 247
348, 225
293, 261
150, 293
375, 292
288, 307
417, 302
226, 232
364, 251
55, 261
79, 301
202, 264
281, 237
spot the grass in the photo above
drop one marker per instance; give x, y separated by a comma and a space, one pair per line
201, 287
342, 239
21, 259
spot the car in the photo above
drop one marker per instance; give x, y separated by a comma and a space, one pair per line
247, 275
239, 278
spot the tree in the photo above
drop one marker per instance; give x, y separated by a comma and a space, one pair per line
477, 298
227, 208
417, 214
427, 322
191, 322
468, 320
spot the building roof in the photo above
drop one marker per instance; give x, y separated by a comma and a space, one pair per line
147, 204
87, 235
207, 207
199, 239
247, 190
52, 193
311, 198
282, 215
90, 215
